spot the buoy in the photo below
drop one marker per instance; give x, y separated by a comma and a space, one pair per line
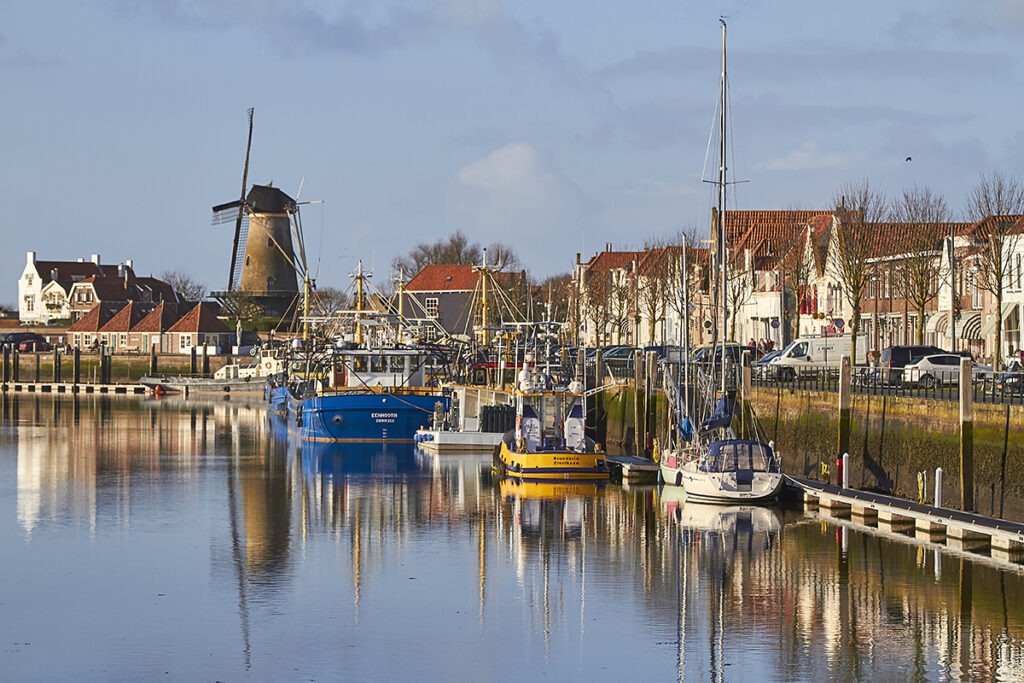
158, 390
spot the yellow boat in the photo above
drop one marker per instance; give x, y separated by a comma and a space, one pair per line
548, 442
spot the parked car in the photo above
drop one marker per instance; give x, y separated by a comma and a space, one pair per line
1009, 384
893, 359
760, 366
941, 368
24, 341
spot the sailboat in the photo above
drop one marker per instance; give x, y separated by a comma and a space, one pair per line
706, 457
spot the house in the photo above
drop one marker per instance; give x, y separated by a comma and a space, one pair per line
603, 289
114, 333
199, 327
449, 299
57, 278
67, 290
84, 333
152, 330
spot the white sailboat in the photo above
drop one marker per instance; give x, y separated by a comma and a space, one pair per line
708, 459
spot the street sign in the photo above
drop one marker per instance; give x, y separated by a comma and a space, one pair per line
775, 323
838, 323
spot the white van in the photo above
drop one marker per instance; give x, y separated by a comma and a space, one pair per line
809, 356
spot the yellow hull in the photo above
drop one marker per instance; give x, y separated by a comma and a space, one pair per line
555, 465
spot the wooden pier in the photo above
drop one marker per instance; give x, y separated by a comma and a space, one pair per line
962, 531
65, 388
633, 469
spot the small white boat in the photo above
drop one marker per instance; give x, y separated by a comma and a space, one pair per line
475, 421
234, 377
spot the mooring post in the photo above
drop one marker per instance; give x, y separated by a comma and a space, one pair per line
152, 360
638, 423
748, 417
56, 366
76, 367
15, 365
192, 358
938, 487
7, 365
846, 470
844, 405
38, 366
966, 436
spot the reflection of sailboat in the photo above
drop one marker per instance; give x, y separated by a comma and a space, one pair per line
708, 460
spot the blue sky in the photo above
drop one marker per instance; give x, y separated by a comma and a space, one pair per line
554, 127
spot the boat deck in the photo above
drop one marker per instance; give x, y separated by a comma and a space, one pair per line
633, 468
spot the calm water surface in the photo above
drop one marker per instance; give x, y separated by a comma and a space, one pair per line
189, 540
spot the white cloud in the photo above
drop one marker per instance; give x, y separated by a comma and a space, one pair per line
810, 156
513, 196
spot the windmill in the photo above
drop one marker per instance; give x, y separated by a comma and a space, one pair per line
263, 272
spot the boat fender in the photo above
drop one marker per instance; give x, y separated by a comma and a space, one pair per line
679, 478
248, 378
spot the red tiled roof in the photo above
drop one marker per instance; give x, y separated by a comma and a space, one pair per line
609, 260
202, 318
456, 278
93, 320
160, 319
128, 316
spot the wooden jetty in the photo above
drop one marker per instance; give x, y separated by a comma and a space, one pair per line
633, 468
66, 388
957, 530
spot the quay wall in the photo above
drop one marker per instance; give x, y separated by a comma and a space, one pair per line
892, 439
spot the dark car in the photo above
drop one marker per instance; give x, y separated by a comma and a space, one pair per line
893, 359
24, 341
1010, 384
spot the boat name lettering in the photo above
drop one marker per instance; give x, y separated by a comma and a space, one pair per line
384, 417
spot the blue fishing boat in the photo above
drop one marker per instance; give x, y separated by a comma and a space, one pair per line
365, 395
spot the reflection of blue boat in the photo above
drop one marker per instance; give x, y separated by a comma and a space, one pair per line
346, 459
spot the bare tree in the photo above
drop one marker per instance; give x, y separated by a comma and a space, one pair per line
653, 284
327, 300
184, 284
456, 249
858, 211
921, 222
996, 204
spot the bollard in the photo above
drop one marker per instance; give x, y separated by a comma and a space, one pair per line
846, 470
938, 487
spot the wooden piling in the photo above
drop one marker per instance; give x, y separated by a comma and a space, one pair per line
845, 396
966, 436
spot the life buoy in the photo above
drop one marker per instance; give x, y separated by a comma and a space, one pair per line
268, 365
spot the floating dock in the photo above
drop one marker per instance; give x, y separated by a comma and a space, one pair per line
63, 388
957, 530
633, 469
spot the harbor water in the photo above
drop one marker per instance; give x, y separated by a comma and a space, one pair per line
189, 539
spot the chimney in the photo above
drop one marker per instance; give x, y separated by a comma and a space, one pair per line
31, 257
607, 246
95, 258
53, 273
577, 258
130, 264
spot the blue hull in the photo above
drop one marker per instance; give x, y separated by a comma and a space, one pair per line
361, 417
277, 399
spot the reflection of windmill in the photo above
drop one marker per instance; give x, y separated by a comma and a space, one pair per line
263, 272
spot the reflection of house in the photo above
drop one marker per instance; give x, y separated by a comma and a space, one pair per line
198, 327
452, 295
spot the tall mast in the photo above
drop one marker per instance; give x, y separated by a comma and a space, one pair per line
721, 205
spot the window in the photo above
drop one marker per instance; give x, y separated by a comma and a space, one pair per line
431, 306
30, 304
184, 341
28, 276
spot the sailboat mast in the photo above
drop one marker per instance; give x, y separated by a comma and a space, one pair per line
721, 205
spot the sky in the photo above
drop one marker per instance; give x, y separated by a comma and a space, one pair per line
553, 127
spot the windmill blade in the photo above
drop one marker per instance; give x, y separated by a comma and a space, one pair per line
241, 207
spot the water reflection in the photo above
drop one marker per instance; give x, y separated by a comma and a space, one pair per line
275, 550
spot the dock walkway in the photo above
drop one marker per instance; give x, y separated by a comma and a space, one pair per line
633, 468
67, 388
957, 529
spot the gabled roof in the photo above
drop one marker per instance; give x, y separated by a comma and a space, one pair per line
159, 320
106, 288
611, 260
125, 319
202, 318
68, 272
94, 319
456, 278
162, 291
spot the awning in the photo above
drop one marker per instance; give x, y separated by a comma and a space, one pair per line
936, 323
990, 324
970, 326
